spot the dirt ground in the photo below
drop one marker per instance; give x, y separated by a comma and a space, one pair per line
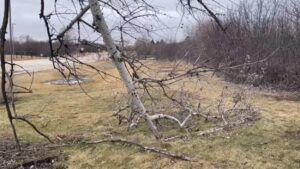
31, 156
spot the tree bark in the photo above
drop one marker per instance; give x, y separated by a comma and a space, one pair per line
135, 101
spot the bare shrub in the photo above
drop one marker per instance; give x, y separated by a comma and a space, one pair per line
267, 31
264, 29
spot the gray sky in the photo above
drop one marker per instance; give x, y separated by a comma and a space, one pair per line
25, 16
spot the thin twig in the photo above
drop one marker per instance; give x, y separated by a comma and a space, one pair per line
144, 148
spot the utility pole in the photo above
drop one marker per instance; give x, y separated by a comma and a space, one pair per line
11, 41
11, 29
13, 38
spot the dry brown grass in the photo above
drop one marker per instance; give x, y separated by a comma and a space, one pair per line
65, 112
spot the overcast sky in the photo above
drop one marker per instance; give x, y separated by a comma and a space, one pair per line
25, 16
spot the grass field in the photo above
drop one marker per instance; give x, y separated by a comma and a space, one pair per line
66, 113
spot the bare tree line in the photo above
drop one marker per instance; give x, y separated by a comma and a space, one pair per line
31, 47
28, 47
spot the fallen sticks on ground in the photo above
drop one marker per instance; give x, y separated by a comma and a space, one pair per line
243, 121
123, 141
144, 148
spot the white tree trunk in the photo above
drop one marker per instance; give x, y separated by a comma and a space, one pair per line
115, 55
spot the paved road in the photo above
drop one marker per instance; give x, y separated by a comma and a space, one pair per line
45, 64
32, 65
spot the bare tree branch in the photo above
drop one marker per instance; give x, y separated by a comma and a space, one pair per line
3, 69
